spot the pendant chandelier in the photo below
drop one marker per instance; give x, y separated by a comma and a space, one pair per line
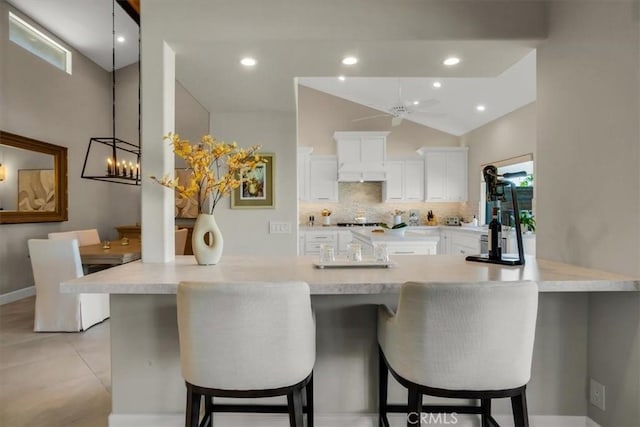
108, 158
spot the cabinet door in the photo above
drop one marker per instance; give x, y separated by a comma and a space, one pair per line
413, 181
436, 176
323, 179
394, 185
372, 149
349, 150
456, 166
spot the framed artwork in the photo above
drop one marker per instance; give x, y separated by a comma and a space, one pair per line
185, 208
36, 190
257, 187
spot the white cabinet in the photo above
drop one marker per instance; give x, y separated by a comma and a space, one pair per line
445, 171
323, 183
314, 239
429, 247
361, 155
344, 238
393, 188
457, 242
405, 181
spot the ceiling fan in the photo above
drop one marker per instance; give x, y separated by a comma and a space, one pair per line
402, 109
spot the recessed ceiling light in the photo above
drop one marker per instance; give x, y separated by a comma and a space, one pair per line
481, 107
437, 85
416, 102
349, 60
452, 60
248, 61
121, 39
342, 78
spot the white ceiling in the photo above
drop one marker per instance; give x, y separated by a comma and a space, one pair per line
450, 108
498, 74
87, 26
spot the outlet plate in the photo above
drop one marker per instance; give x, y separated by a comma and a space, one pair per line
279, 227
596, 394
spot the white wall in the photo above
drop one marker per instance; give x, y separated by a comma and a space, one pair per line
42, 102
588, 174
246, 231
511, 135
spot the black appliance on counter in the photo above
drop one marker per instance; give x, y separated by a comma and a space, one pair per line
495, 192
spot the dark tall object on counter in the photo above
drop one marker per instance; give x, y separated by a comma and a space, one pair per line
495, 192
495, 236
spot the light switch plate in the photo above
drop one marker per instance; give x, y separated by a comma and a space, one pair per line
279, 227
596, 394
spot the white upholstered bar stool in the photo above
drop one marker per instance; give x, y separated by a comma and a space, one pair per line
246, 340
459, 340
52, 262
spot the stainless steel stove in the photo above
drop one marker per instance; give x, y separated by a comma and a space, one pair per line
358, 224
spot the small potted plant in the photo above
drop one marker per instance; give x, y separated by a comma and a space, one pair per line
397, 216
528, 221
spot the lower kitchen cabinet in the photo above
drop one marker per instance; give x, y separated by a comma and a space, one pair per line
311, 240
412, 248
458, 242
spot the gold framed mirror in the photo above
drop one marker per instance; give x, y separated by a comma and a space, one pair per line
33, 184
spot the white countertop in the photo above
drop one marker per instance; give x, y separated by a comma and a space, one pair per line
163, 278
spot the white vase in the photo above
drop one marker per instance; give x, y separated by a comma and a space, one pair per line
397, 219
206, 228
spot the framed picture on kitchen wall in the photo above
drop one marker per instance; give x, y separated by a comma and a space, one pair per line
257, 187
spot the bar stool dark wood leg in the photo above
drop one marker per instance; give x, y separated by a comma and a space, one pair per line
294, 402
309, 390
383, 379
208, 411
414, 407
520, 412
193, 408
486, 412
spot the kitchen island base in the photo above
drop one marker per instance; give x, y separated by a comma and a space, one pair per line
148, 389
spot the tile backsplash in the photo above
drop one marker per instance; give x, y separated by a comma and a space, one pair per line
356, 197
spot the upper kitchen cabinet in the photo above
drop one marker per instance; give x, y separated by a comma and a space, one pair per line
405, 181
361, 156
445, 174
323, 185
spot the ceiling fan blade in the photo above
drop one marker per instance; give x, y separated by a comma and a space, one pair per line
395, 121
370, 117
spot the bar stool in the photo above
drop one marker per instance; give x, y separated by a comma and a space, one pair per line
459, 340
246, 340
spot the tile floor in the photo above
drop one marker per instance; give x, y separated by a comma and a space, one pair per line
52, 379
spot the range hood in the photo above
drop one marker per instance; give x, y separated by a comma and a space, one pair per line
361, 172
361, 156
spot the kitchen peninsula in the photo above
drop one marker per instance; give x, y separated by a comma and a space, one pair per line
147, 387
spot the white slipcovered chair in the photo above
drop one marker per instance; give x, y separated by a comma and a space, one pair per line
181, 240
84, 237
246, 340
52, 262
459, 340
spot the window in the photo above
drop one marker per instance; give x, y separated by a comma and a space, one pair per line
524, 190
35, 41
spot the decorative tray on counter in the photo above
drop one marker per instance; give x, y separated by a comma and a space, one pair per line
367, 262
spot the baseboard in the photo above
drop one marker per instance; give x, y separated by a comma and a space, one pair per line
343, 420
17, 295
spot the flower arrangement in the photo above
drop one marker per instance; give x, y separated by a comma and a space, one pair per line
215, 166
397, 212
